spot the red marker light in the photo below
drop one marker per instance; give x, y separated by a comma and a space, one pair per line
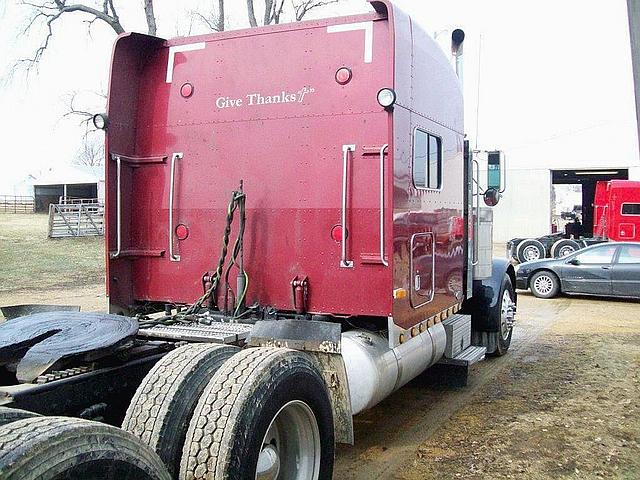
182, 232
344, 75
186, 90
336, 233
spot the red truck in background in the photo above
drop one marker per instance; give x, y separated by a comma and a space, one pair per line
616, 216
617, 211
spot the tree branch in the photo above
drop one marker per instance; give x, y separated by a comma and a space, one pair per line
252, 14
151, 19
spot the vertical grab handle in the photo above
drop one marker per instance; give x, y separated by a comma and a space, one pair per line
176, 156
382, 152
116, 254
476, 227
344, 263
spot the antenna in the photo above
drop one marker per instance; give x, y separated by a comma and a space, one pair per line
478, 96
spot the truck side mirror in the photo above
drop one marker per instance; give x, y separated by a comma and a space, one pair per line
491, 197
496, 171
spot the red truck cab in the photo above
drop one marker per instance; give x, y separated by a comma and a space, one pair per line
617, 211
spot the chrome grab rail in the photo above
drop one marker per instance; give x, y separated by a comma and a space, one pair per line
344, 263
476, 228
118, 251
176, 156
382, 152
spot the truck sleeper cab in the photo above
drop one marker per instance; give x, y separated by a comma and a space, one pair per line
330, 158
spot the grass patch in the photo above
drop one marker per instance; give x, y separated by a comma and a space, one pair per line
29, 260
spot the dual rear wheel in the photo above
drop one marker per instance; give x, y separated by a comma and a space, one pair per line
260, 413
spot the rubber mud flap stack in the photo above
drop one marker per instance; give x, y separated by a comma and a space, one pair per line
161, 409
8, 415
53, 448
266, 411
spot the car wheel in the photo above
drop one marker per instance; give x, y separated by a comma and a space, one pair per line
529, 250
545, 284
564, 247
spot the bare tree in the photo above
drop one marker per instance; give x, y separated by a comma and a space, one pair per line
214, 20
301, 8
50, 12
91, 152
275, 9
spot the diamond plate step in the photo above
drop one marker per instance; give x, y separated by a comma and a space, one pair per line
467, 357
226, 333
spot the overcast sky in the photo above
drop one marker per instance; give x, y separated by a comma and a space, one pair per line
555, 76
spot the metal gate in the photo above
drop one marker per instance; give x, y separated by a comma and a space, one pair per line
76, 219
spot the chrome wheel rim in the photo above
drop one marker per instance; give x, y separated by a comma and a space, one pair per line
291, 447
543, 284
530, 253
506, 315
566, 250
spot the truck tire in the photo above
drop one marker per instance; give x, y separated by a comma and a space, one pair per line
48, 448
161, 409
507, 295
8, 415
267, 410
544, 284
564, 247
529, 250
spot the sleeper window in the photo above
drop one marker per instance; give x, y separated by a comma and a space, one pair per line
427, 160
631, 209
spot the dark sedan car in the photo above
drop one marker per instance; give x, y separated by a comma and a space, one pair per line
610, 270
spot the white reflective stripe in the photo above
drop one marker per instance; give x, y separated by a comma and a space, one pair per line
177, 49
368, 35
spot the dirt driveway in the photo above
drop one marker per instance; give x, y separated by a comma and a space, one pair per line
564, 403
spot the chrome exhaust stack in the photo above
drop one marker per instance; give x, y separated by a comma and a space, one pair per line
457, 51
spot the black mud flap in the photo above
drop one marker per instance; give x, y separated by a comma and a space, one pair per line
486, 295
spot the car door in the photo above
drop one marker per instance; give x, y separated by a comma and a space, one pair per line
589, 271
625, 275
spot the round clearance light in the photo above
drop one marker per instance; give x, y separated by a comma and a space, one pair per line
182, 232
100, 121
336, 233
386, 97
186, 90
344, 75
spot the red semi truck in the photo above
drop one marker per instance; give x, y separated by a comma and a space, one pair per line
329, 157
616, 214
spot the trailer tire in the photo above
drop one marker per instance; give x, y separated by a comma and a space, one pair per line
47, 448
266, 407
161, 409
8, 415
507, 296
544, 284
529, 250
564, 247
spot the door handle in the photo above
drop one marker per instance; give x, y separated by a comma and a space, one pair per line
176, 156
606, 267
344, 263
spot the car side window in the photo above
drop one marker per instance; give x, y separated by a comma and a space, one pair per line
629, 254
602, 254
